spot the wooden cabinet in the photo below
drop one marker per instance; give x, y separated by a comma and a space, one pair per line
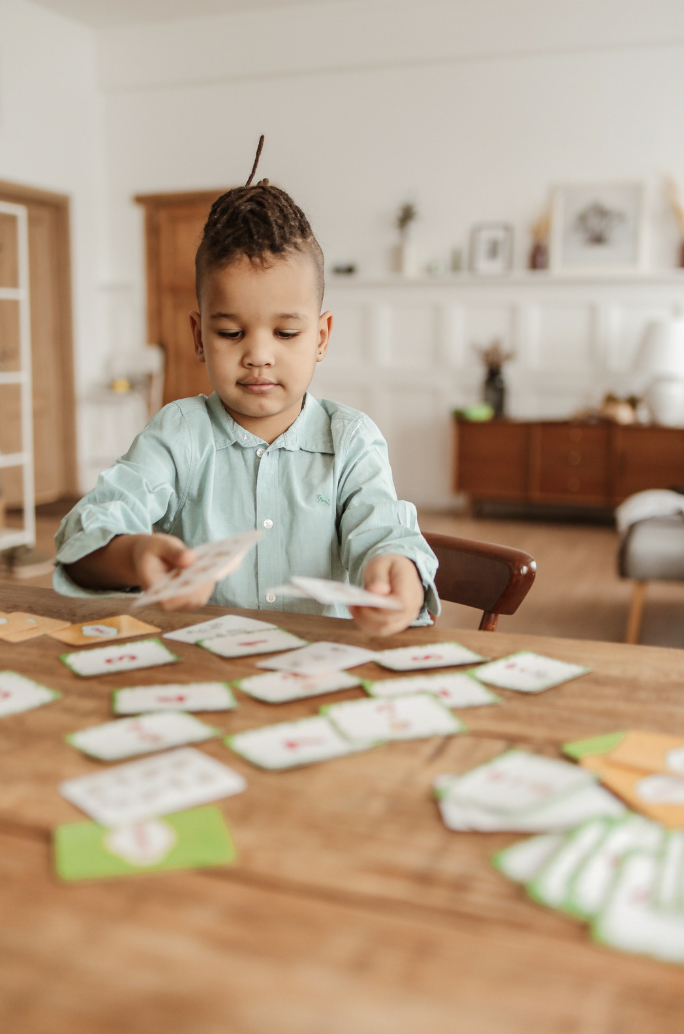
564, 463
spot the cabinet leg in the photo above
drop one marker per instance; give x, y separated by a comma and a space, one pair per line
636, 610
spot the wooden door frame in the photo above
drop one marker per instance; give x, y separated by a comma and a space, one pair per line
20, 194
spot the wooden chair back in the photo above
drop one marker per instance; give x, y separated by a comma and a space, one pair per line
494, 579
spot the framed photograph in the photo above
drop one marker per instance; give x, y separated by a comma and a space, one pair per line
598, 228
491, 249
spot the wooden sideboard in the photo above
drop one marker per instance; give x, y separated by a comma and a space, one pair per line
564, 462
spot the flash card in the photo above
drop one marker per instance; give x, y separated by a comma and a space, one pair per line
434, 655
318, 658
105, 630
280, 686
195, 696
659, 796
551, 885
528, 672
142, 735
160, 785
106, 659
245, 644
21, 694
215, 561
522, 861
396, 718
454, 690
187, 840
218, 627
650, 751
670, 884
330, 593
18, 626
289, 744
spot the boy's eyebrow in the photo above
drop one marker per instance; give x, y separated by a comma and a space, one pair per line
279, 316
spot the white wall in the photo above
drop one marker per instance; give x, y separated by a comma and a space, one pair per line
51, 138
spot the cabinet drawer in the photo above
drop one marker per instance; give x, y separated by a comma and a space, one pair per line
648, 457
491, 459
570, 463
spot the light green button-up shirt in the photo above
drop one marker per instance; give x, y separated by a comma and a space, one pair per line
322, 493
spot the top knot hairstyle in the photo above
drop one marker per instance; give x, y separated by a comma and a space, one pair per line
260, 222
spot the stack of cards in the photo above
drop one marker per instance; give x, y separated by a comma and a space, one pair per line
528, 672
148, 653
525, 792
434, 655
455, 690
17, 627
330, 593
215, 561
625, 876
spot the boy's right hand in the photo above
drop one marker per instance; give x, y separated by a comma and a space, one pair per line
139, 560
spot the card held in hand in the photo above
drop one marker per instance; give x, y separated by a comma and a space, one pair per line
144, 734
433, 655
159, 785
330, 593
17, 693
148, 653
193, 696
215, 561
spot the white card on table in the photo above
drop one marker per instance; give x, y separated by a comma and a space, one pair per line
528, 672
458, 689
395, 718
433, 655
330, 593
517, 781
558, 815
522, 861
289, 744
141, 735
148, 653
277, 687
160, 785
670, 884
551, 886
193, 696
246, 644
215, 560
318, 658
18, 693
594, 879
217, 627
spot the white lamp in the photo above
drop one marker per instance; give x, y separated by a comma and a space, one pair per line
660, 362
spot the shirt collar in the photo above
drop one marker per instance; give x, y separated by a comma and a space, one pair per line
310, 431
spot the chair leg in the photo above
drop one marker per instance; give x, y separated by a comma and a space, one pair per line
488, 622
636, 610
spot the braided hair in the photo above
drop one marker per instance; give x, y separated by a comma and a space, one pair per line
260, 222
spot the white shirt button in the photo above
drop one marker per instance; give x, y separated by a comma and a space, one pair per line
260, 452
270, 597
268, 523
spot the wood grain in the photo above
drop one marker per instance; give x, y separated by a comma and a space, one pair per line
351, 907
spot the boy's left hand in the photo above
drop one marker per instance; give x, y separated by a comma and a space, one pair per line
396, 576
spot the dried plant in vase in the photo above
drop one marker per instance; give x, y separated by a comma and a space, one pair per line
673, 197
406, 258
541, 231
494, 388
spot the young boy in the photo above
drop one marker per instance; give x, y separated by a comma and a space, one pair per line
259, 452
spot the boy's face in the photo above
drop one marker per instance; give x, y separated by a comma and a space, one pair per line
260, 334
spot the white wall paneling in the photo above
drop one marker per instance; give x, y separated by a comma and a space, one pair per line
402, 351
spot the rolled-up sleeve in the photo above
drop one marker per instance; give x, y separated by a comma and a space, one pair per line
143, 488
371, 520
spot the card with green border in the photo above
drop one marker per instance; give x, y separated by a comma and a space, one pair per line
17, 693
528, 672
103, 660
186, 840
594, 745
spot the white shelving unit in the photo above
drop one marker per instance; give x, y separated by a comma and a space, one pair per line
22, 378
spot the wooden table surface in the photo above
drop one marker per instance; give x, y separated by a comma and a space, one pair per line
351, 909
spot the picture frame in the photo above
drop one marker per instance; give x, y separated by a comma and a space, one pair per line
598, 228
491, 249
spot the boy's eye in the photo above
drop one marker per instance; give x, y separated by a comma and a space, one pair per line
231, 335
287, 334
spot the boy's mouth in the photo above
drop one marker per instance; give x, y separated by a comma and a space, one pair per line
258, 386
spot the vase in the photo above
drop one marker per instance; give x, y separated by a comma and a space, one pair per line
539, 255
407, 259
494, 391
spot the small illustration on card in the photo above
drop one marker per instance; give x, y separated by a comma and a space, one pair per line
17, 693
433, 655
193, 696
87, 633
187, 840
247, 644
143, 734
103, 660
215, 561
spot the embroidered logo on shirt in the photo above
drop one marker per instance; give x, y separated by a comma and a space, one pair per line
322, 499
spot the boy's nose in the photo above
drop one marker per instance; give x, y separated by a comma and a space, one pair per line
258, 353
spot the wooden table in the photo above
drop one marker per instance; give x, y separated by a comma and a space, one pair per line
351, 910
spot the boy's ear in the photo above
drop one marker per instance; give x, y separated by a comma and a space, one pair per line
196, 327
324, 331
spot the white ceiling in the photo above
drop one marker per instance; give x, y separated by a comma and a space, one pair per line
103, 14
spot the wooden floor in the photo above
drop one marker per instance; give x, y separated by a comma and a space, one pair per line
577, 593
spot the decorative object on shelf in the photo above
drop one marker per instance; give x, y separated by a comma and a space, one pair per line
624, 411
491, 249
672, 191
541, 230
494, 387
407, 262
456, 260
480, 413
598, 228
660, 363
345, 269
